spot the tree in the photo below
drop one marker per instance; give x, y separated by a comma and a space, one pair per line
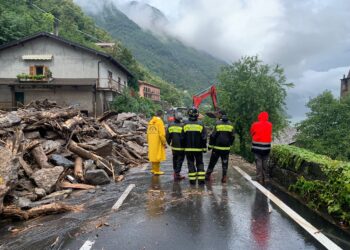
248, 87
128, 103
326, 129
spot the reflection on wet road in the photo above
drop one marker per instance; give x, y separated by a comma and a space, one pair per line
163, 214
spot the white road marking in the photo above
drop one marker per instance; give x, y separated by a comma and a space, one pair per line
320, 237
121, 199
87, 245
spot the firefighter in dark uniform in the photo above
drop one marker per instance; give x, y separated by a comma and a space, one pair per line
220, 143
195, 139
174, 137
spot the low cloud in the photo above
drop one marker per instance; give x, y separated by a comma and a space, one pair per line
309, 38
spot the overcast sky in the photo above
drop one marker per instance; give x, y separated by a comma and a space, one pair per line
309, 38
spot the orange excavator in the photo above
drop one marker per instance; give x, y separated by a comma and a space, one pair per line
198, 98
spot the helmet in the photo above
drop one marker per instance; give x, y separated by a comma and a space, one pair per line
178, 116
193, 113
224, 118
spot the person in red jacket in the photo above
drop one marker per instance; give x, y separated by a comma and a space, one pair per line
261, 132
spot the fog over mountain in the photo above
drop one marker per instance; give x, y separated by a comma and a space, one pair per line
309, 38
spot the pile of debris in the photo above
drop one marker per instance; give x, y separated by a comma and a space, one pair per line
47, 151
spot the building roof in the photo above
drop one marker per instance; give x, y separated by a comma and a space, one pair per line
67, 42
54, 82
146, 83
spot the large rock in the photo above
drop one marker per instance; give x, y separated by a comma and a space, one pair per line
51, 146
125, 116
101, 147
59, 160
130, 125
46, 178
137, 148
96, 177
9, 120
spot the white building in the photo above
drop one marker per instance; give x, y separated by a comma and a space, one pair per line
45, 66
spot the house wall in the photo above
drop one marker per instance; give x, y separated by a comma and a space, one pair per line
153, 92
5, 97
67, 62
82, 97
344, 87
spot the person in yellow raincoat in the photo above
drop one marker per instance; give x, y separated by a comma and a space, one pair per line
156, 142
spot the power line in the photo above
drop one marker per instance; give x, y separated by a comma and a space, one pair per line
89, 35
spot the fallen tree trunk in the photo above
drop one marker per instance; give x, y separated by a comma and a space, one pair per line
53, 208
71, 123
40, 157
88, 155
76, 186
53, 115
27, 169
78, 169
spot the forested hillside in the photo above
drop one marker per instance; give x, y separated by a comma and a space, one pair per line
20, 18
186, 67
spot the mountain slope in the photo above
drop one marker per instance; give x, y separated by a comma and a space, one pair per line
186, 67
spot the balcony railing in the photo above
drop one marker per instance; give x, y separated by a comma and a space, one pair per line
112, 84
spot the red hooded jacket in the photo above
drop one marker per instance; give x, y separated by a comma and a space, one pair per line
261, 133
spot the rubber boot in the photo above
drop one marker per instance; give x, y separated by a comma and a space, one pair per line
208, 177
178, 177
157, 169
153, 167
224, 179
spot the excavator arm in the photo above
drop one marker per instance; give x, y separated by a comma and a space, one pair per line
198, 98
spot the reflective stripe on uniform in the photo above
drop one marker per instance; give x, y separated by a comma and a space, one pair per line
221, 148
224, 128
177, 149
193, 127
175, 129
261, 148
210, 146
201, 175
192, 176
194, 149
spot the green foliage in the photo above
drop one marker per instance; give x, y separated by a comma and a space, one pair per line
248, 87
128, 103
168, 58
326, 129
328, 190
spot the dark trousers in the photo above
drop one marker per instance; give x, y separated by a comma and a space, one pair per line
195, 167
178, 159
262, 172
215, 155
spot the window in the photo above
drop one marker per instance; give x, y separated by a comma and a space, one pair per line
39, 70
110, 75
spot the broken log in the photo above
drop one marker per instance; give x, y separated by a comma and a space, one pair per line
73, 146
40, 157
55, 114
76, 185
71, 123
54, 208
109, 130
78, 169
27, 169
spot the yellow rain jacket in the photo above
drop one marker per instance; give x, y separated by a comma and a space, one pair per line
156, 140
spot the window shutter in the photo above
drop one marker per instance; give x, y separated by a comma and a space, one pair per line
46, 69
32, 70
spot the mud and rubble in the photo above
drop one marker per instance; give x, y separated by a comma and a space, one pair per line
47, 151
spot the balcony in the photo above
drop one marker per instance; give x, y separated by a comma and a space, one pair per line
35, 78
113, 85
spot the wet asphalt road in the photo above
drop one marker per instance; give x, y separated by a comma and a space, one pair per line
162, 214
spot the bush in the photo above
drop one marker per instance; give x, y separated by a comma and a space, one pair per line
323, 183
